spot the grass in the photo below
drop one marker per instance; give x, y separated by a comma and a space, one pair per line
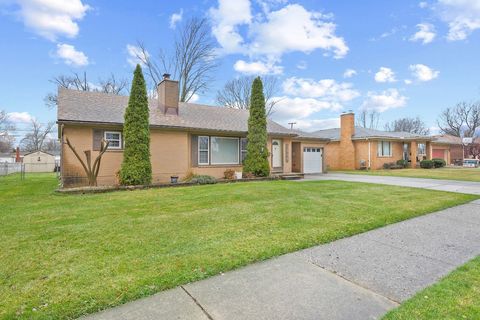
457, 296
462, 174
63, 256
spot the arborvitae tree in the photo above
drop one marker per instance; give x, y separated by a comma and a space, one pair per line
136, 167
256, 161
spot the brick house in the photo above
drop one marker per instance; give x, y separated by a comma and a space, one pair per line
185, 137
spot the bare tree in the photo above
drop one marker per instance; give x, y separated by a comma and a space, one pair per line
461, 120
192, 61
38, 135
80, 82
7, 140
368, 119
236, 93
412, 125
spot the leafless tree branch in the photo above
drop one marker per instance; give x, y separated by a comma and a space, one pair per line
412, 125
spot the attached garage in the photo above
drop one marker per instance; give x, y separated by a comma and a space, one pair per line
312, 160
440, 154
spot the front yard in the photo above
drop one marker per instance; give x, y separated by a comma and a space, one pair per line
455, 297
68, 255
463, 174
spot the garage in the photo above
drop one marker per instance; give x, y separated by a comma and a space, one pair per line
439, 154
312, 160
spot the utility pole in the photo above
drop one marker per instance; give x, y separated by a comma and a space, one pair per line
291, 125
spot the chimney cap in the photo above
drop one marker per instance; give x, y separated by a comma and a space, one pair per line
166, 76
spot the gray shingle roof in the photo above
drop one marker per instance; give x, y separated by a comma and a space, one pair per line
362, 133
98, 107
447, 139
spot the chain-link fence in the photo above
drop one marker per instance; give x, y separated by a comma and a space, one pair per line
10, 168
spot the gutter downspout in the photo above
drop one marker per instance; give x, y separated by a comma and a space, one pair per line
369, 154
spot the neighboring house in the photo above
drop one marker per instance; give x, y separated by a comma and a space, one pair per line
39, 161
448, 148
352, 147
7, 157
184, 137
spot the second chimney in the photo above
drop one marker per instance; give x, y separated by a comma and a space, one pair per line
167, 91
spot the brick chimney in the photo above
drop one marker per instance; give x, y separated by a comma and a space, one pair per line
167, 91
17, 155
347, 149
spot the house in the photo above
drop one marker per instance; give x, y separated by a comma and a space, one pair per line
351, 147
448, 148
39, 161
184, 137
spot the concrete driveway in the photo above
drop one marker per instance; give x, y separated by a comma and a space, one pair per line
432, 184
361, 277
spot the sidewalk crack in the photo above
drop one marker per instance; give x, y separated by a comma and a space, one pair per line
197, 303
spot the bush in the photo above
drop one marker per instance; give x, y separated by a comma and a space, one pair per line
403, 163
248, 175
136, 167
439, 163
426, 164
203, 179
229, 174
392, 165
256, 160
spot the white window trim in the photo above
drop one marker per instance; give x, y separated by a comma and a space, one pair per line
385, 155
119, 140
238, 153
208, 151
242, 150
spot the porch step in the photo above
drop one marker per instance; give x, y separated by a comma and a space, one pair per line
291, 176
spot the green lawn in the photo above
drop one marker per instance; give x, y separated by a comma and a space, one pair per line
63, 256
457, 296
464, 174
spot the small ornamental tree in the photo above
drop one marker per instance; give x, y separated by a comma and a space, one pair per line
136, 167
256, 161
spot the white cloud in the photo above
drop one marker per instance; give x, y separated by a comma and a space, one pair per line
176, 18
349, 73
293, 28
19, 117
133, 53
426, 33
302, 65
315, 124
462, 17
325, 88
423, 4
257, 68
71, 56
226, 20
423, 73
270, 34
288, 108
407, 81
195, 97
385, 75
383, 101
52, 18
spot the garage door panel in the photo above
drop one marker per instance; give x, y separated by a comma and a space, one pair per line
438, 153
312, 160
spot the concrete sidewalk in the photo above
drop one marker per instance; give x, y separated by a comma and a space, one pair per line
432, 184
361, 277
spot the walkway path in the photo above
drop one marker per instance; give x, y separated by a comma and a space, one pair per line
432, 184
360, 277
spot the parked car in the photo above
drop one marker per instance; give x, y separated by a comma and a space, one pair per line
471, 163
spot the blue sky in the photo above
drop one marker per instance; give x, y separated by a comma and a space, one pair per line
401, 58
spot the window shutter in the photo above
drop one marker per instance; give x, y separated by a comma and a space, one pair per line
97, 139
194, 151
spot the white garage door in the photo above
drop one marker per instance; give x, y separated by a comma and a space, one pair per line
312, 160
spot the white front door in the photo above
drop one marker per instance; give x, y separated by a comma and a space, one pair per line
312, 160
276, 154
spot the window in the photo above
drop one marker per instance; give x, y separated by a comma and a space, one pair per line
203, 150
224, 150
115, 139
384, 149
243, 148
422, 149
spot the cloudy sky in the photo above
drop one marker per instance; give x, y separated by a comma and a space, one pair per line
401, 58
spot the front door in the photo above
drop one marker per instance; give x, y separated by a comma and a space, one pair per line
276, 154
